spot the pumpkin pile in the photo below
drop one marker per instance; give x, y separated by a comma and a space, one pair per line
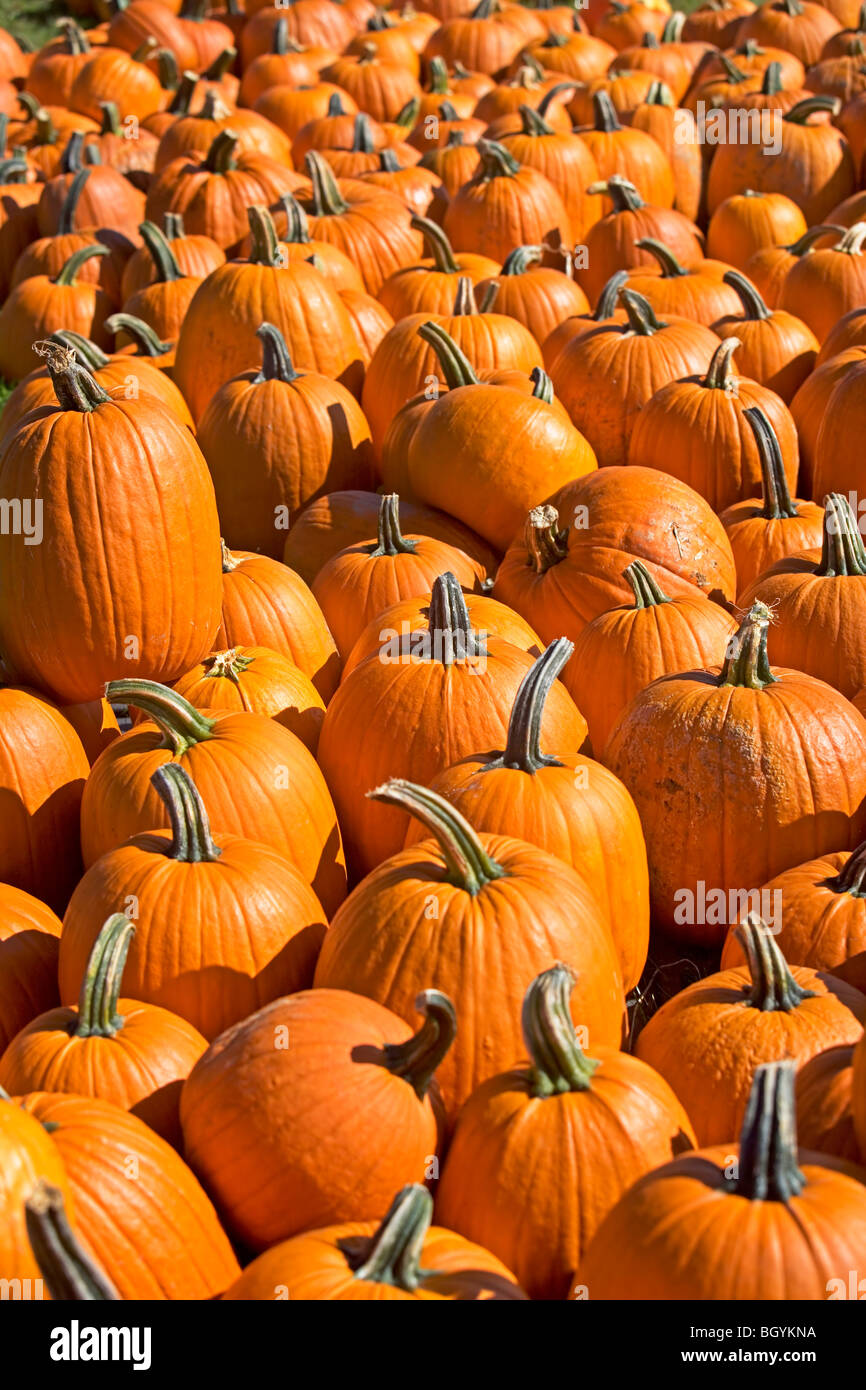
433, 642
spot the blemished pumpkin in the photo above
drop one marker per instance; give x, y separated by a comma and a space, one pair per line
704, 733
29, 947
707, 1044
261, 681
82, 622
636, 644
164, 1214
800, 1217
256, 780
294, 1150
541, 1153
430, 697
118, 1049
358, 583
563, 802
402, 1259
437, 910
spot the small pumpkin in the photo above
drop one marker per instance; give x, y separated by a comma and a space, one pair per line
748, 222
776, 348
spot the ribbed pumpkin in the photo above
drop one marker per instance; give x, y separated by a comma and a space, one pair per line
255, 778
801, 1218
622, 152
95, 724
276, 438
401, 1259
697, 430
107, 199
849, 331
776, 348
605, 377
40, 305
824, 1089
569, 564
84, 622
358, 583
265, 604
296, 298
117, 1049
748, 222
563, 802
164, 302
431, 286
434, 695
768, 268
43, 768
27, 1155
47, 255
261, 681
29, 946
294, 1150
699, 292
761, 799
179, 883
763, 532
505, 205
809, 409
578, 324
195, 255
707, 1044
162, 1213
564, 159
594, 1117
817, 600
437, 910
656, 636
537, 295
823, 286
678, 134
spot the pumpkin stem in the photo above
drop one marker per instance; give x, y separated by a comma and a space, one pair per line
533, 122
559, 1064
438, 76
148, 342
227, 560
220, 65
164, 259
363, 141
609, 297
448, 111
213, 108
100, 988
842, 551
191, 842
522, 748
456, 367
747, 663
647, 593
542, 388
66, 220
388, 162
852, 241
774, 988
641, 315
75, 40
621, 192
777, 496
772, 82
172, 226
74, 387
69, 1272
72, 158
670, 266
748, 294
86, 352
407, 116
545, 542
468, 866
520, 259
767, 1170
604, 113
326, 198
183, 94
496, 162
297, 228
265, 246
280, 41
659, 95
852, 877
180, 724
464, 299
813, 234
436, 245
393, 1254
228, 665
70, 269
220, 158
719, 375
110, 118
390, 540
417, 1059
450, 635
276, 359
335, 105
488, 299
550, 96
809, 106
13, 171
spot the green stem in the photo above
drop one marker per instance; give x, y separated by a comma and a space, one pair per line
767, 1170
220, 65
265, 245
748, 294
86, 352
774, 989
436, 245
220, 158
148, 342
777, 497
559, 1064
69, 1272
390, 540
164, 259
66, 220
747, 663
719, 375
183, 94
191, 842
842, 551
110, 118
533, 122
276, 359
297, 228
450, 636
520, 259
393, 1255
852, 877
72, 158
621, 192
813, 234
664, 256
326, 198
100, 989
417, 1059
181, 725
227, 665
810, 106
609, 297
545, 542
74, 387
772, 83
363, 141
468, 866
542, 386
388, 162
457, 370
496, 162
172, 226
604, 113
75, 40
647, 593
641, 315
523, 747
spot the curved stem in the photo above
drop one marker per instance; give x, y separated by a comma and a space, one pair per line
719, 375
748, 294
265, 246
363, 141
777, 496
74, 387
558, 1062
110, 118
621, 191
647, 593
496, 162
220, 158
670, 266
180, 724
852, 877
542, 386
276, 359
774, 989
417, 1059
842, 551
436, 245
464, 299
70, 1274
852, 241
164, 259
457, 370
100, 989
523, 748
450, 636
767, 1170
468, 866
609, 297
86, 352
553, 93
148, 342
326, 198
641, 316
810, 106
192, 842
533, 122
183, 94
66, 220
520, 260
388, 162
72, 158
297, 228
220, 65
545, 542
393, 1254
747, 663
604, 113
390, 540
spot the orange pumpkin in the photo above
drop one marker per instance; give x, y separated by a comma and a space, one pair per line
261, 681
29, 946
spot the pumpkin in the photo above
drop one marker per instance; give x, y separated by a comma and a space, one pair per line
505, 205
337, 128
628, 153
699, 292
751, 221
243, 764
292, 109
697, 429
109, 73
18, 219
135, 338
707, 1045
577, 55
799, 1216
261, 681
431, 286
84, 622
536, 295
563, 802
27, 1155
716, 22
380, 86
564, 159
605, 377
437, 909
798, 26
822, 287
162, 304
163, 1214
849, 331
132, 158
809, 408
783, 811
191, 136
816, 598
497, 448
768, 268
485, 40
606, 526
296, 298
541, 1153
611, 244
403, 1258
285, 65
29, 945
303, 1153
68, 1271
266, 604
275, 439
357, 583
677, 132
48, 255
656, 636
40, 305
775, 348
55, 67
292, 227
311, 23
133, 1054
578, 324
95, 724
